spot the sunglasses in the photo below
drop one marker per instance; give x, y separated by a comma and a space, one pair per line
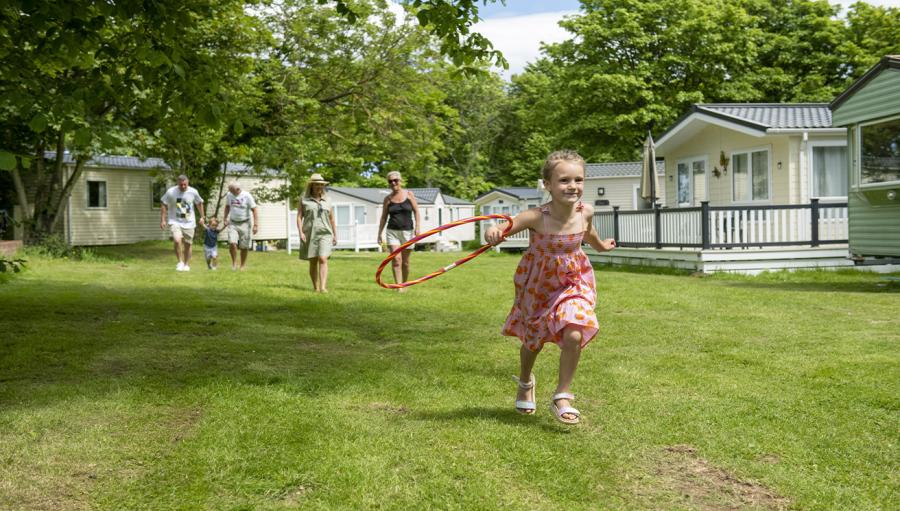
392, 181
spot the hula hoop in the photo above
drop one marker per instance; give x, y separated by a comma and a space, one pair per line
449, 267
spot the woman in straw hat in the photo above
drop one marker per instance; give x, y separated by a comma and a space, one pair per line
315, 222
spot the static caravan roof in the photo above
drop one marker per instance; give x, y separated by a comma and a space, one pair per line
620, 169
755, 119
521, 193
424, 196
134, 162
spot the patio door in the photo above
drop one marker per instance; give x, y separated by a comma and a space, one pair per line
345, 216
691, 181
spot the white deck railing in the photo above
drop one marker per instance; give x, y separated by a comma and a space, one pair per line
727, 227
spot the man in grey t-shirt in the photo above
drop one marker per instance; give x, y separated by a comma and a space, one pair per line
239, 205
177, 215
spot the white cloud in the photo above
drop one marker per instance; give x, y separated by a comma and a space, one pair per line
519, 38
882, 3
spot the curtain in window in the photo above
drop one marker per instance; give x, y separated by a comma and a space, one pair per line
741, 175
699, 171
829, 172
343, 215
684, 184
359, 214
760, 162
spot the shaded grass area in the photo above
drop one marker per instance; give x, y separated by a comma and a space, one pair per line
124, 384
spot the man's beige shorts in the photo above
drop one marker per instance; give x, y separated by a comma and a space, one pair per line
240, 234
181, 233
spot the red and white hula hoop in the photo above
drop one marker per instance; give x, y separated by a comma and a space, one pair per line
449, 267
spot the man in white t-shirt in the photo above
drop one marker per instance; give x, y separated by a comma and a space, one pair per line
177, 215
239, 206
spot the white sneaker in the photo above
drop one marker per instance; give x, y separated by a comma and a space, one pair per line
180, 266
186, 268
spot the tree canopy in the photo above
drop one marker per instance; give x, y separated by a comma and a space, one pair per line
349, 89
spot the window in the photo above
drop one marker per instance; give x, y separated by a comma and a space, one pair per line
880, 152
343, 215
157, 190
828, 171
691, 181
96, 194
485, 210
750, 175
359, 214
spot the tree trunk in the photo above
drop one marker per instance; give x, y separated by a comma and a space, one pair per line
52, 191
23, 199
221, 186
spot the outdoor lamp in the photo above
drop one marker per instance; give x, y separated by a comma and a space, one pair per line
779, 165
601, 191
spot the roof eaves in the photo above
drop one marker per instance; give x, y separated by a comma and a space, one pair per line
886, 62
732, 118
499, 190
354, 195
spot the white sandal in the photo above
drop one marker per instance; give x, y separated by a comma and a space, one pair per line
526, 407
559, 412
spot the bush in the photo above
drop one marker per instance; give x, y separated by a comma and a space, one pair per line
52, 245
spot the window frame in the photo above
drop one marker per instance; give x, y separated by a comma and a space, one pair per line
857, 157
87, 190
769, 177
155, 203
810, 176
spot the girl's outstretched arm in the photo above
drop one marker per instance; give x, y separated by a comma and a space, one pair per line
528, 219
591, 237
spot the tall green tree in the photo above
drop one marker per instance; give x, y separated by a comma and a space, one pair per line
350, 101
75, 74
474, 133
631, 67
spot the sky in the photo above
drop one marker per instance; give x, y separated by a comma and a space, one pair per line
518, 28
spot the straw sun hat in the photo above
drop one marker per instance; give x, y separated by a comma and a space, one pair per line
317, 178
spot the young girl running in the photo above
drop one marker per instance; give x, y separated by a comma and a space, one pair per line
555, 290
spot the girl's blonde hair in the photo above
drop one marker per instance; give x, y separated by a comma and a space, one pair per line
394, 173
556, 157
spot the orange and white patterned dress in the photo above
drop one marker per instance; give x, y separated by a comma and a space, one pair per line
554, 289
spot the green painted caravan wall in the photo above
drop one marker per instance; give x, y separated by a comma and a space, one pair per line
874, 228
874, 231
878, 98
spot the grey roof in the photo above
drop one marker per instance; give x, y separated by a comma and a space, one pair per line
620, 169
771, 115
519, 192
374, 195
133, 162
456, 201
115, 161
425, 196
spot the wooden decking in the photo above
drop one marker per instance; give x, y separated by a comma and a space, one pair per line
749, 261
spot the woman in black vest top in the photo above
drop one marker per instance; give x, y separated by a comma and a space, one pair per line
397, 211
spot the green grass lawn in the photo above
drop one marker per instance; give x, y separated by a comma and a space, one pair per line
127, 385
